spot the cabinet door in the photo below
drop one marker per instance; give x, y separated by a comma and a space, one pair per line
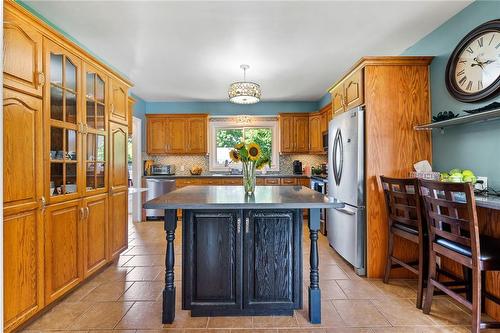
301, 137
22, 152
315, 134
338, 99
354, 89
272, 255
119, 102
22, 55
212, 260
177, 133
286, 134
288, 181
197, 135
118, 170
62, 248
23, 266
156, 136
95, 232
118, 222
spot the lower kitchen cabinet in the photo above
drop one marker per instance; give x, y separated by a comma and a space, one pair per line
242, 262
23, 266
95, 232
118, 222
63, 251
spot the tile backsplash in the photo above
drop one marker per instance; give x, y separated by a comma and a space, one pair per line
188, 161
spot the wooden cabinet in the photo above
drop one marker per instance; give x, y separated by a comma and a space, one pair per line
212, 250
118, 170
118, 223
176, 134
63, 253
241, 262
272, 247
294, 133
23, 266
130, 110
288, 181
95, 233
272, 181
315, 133
232, 181
22, 55
22, 152
348, 93
118, 99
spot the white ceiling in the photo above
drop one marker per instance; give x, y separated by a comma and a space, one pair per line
191, 51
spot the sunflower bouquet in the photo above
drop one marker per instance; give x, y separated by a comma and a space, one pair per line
252, 158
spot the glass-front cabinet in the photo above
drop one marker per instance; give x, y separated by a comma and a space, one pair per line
95, 129
62, 100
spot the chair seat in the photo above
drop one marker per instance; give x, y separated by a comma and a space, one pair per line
489, 247
405, 227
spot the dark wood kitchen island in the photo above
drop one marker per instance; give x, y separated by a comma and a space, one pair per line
242, 254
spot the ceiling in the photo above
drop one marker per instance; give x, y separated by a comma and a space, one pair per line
191, 51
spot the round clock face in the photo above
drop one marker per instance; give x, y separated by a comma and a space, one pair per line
478, 64
473, 70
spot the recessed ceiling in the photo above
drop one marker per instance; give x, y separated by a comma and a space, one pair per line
191, 51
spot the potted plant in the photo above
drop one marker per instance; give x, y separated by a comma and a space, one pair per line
252, 158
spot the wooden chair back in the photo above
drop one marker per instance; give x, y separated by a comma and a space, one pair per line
403, 202
451, 213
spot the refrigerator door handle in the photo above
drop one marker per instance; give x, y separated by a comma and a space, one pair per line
338, 152
345, 211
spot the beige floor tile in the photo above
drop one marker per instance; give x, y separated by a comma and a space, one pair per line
146, 260
253, 330
327, 272
349, 330
102, 315
165, 330
144, 273
112, 273
401, 312
60, 317
359, 289
143, 291
330, 290
395, 288
229, 322
329, 316
112, 331
107, 292
359, 313
274, 321
302, 330
81, 291
183, 319
123, 260
142, 315
444, 312
145, 250
423, 329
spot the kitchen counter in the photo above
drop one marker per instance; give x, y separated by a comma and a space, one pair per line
488, 201
220, 175
227, 235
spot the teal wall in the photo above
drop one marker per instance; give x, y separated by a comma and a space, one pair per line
471, 146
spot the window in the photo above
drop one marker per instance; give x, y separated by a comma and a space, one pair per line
225, 133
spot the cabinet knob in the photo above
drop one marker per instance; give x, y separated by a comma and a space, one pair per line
43, 202
82, 213
41, 79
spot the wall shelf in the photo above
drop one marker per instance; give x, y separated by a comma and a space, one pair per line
470, 118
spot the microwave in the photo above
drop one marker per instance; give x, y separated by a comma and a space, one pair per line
325, 140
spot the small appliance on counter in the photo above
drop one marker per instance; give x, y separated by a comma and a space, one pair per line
148, 164
163, 170
325, 140
297, 167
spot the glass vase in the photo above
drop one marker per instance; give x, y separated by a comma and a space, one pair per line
249, 177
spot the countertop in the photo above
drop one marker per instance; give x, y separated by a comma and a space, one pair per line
234, 197
220, 175
488, 201
133, 190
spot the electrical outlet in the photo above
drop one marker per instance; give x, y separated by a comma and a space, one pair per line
481, 184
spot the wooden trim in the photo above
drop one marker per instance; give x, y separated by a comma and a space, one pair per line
59, 38
176, 115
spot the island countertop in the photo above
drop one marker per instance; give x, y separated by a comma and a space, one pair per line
228, 197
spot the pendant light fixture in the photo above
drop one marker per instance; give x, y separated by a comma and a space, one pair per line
244, 92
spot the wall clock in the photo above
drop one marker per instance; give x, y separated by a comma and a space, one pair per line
473, 70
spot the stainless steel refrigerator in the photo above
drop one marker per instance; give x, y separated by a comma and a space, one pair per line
346, 227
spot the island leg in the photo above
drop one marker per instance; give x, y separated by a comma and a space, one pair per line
314, 291
170, 225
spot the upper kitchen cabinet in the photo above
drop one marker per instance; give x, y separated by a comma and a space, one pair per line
63, 123
22, 58
318, 124
130, 110
118, 102
95, 131
176, 134
294, 132
348, 93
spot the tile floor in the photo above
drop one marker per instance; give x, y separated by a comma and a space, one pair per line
126, 297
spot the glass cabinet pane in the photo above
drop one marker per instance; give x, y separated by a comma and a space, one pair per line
56, 143
70, 107
70, 186
100, 175
56, 68
90, 176
71, 145
100, 117
91, 147
91, 113
99, 89
56, 103
90, 86
100, 155
70, 73
56, 178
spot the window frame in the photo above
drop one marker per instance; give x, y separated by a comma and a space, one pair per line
216, 123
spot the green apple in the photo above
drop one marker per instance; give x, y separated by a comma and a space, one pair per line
467, 173
452, 171
470, 179
456, 178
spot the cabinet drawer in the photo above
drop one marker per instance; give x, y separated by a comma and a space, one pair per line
288, 181
260, 181
232, 181
209, 181
182, 182
272, 181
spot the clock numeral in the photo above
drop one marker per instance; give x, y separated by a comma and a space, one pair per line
479, 85
469, 86
462, 72
462, 61
491, 39
498, 45
480, 42
470, 50
462, 80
